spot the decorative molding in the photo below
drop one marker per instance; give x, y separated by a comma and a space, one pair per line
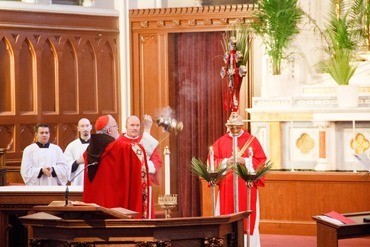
192, 22
206, 16
321, 103
144, 24
176, 22
145, 38
192, 10
43, 21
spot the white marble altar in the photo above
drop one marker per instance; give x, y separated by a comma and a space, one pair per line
310, 131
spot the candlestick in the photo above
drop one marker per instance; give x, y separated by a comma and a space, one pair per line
167, 171
212, 159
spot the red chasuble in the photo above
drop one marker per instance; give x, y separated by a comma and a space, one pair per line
223, 149
155, 158
120, 179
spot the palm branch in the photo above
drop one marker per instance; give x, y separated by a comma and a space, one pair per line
243, 42
341, 68
250, 176
200, 169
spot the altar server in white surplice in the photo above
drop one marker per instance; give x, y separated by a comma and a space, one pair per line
44, 163
75, 150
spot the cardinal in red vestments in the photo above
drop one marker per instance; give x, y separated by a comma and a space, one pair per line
223, 154
119, 176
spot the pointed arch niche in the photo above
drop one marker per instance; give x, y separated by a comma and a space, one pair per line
27, 83
50, 74
6, 75
68, 79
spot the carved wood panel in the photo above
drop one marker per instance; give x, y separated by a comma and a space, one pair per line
54, 68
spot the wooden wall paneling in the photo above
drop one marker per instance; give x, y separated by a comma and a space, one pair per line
6, 89
59, 69
27, 135
69, 133
135, 72
108, 87
150, 90
47, 80
290, 199
68, 79
25, 79
87, 81
6, 134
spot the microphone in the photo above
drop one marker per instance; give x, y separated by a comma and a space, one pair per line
71, 180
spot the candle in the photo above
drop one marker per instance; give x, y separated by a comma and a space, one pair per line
167, 185
250, 156
212, 159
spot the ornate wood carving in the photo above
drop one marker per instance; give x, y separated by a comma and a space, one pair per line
41, 243
214, 242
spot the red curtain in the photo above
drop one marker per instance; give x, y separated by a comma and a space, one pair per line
197, 96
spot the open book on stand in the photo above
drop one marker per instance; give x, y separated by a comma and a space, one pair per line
71, 203
85, 210
336, 218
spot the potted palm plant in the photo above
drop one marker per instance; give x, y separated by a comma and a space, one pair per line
277, 23
342, 34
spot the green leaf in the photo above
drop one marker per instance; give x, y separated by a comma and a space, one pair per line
276, 22
200, 169
250, 176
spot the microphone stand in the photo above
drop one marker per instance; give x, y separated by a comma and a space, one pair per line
66, 195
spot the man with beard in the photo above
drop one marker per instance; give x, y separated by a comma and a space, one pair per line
75, 150
43, 163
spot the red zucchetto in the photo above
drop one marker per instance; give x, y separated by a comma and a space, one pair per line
101, 122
